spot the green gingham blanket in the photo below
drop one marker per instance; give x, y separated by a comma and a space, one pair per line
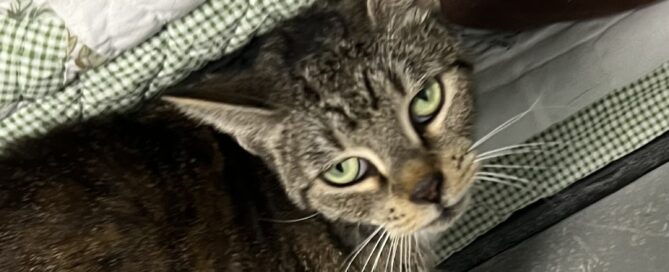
32, 53
36, 97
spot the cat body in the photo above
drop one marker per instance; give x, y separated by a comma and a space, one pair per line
150, 191
346, 147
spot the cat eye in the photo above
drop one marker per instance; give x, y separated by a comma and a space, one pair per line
427, 102
346, 172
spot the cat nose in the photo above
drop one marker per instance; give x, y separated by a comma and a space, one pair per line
428, 190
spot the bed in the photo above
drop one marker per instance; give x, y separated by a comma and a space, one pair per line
589, 93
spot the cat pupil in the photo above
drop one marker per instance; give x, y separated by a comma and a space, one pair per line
423, 95
339, 167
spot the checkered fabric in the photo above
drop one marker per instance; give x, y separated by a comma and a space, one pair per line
607, 130
30, 55
217, 27
31, 58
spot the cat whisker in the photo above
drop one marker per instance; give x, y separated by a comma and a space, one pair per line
405, 254
399, 254
402, 264
504, 125
359, 249
498, 129
505, 153
410, 242
419, 252
511, 147
504, 176
289, 220
371, 253
496, 180
408, 246
506, 166
378, 256
395, 254
390, 253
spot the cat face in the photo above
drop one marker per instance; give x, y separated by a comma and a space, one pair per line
369, 124
389, 154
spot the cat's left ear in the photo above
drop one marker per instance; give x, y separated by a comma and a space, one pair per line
251, 126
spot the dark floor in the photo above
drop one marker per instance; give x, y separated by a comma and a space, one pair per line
627, 231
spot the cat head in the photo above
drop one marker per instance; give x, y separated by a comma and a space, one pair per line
362, 109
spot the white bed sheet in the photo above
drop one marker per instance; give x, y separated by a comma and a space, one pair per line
567, 65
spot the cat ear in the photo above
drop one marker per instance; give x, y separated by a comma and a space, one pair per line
251, 126
433, 5
381, 10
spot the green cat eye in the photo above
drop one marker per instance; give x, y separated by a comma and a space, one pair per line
346, 172
427, 102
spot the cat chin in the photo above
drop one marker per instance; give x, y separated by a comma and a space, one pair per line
447, 218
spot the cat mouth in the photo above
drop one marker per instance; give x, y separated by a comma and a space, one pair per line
454, 210
448, 215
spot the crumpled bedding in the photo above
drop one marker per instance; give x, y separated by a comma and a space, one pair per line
111, 27
97, 30
39, 92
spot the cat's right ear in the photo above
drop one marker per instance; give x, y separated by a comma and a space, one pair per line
251, 126
382, 10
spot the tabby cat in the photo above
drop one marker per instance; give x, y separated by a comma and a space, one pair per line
345, 146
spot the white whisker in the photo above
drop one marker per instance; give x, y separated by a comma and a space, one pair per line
503, 126
419, 251
410, 252
498, 129
391, 252
507, 153
504, 166
359, 249
289, 220
401, 261
406, 254
371, 253
504, 176
392, 261
378, 256
498, 181
511, 147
